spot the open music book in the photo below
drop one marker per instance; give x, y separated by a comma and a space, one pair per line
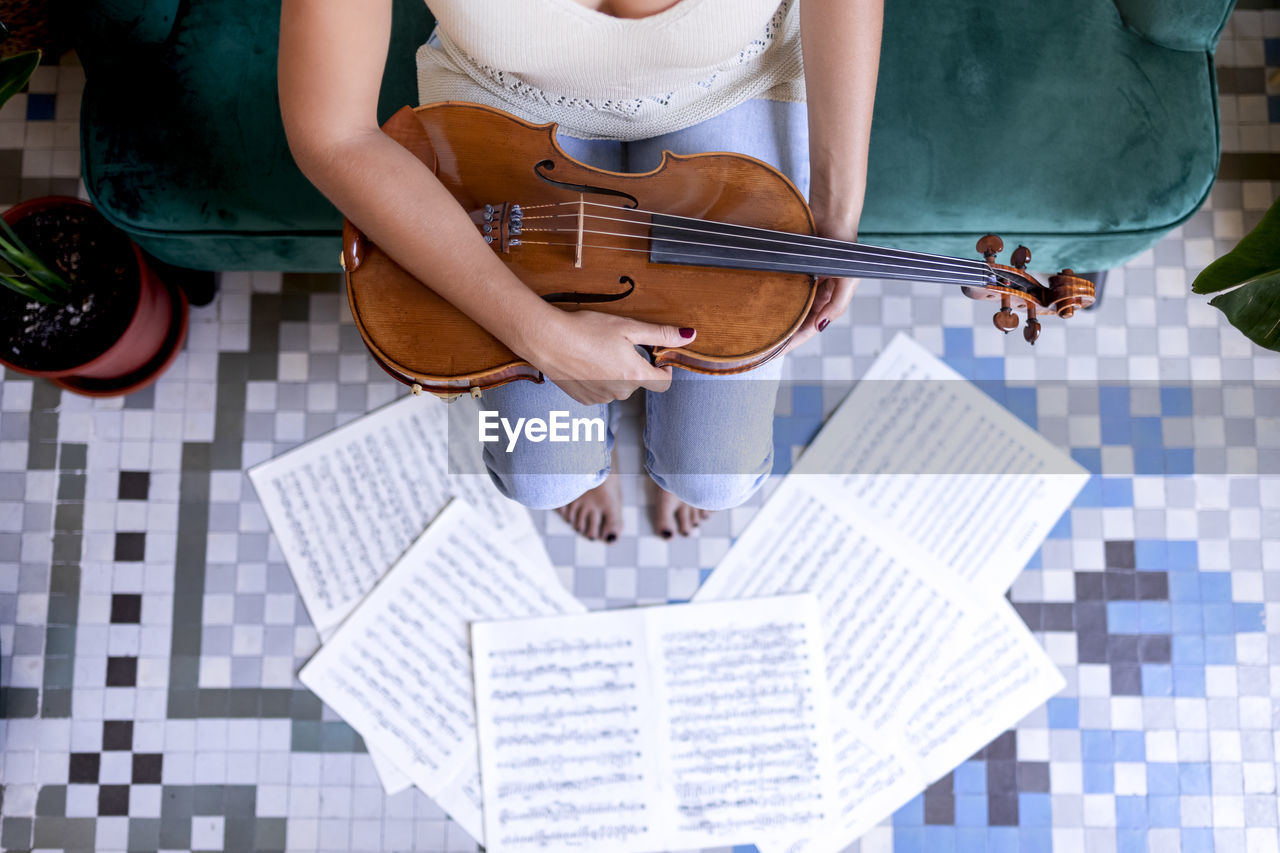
654, 728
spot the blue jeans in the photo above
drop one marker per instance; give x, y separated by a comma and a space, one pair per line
708, 439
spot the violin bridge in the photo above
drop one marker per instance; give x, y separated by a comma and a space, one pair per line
582, 215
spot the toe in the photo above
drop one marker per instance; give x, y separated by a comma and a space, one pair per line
664, 520
682, 515
610, 527
594, 517
588, 523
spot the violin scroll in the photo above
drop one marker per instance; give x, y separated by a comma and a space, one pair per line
1019, 290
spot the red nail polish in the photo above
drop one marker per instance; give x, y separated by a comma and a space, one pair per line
822, 324
666, 534
686, 333
611, 537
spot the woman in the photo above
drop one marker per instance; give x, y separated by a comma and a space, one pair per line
625, 79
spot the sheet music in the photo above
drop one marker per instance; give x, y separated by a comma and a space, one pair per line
921, 672
654, 728
346, 505
399, 668
945, 466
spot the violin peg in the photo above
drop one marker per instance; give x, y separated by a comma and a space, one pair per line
990, 246
1021, 257
1031, 331
1004, 319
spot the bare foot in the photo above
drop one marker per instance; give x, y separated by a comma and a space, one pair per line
598, 513
671, 514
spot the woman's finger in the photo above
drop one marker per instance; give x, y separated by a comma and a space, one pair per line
841, 294
822, 298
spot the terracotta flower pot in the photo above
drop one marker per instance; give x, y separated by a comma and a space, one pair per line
148, 344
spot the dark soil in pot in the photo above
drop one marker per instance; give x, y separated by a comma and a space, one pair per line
99, 264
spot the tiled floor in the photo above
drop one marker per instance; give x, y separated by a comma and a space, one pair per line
151, 632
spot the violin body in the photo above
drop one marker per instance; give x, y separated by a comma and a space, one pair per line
720, 242
486, 157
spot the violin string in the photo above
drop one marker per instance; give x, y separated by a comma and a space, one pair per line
957, 278
940, 261
985, 274
839, 245
863, 268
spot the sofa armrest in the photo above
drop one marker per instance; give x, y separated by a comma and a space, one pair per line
1177, 24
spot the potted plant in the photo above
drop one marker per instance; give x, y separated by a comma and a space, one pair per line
80, 306
1247, 281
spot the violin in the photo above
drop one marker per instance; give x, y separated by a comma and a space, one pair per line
721, 242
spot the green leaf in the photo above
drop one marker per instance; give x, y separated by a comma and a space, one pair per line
24, 272
1254, 309
1258, 254
26, 290
1247, 281
15, 71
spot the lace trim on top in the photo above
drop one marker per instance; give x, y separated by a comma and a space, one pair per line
629, 107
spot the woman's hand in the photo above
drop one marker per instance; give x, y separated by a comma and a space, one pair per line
592, 356
833, 295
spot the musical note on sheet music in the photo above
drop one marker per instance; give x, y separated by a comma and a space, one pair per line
653, 728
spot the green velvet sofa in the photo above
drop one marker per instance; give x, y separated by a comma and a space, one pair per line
1085, 129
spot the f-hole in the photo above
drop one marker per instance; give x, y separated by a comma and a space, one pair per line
549, 165
573, 297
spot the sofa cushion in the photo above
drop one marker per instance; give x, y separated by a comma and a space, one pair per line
1046, 123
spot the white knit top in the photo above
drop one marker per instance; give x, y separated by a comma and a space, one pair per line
602, 77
